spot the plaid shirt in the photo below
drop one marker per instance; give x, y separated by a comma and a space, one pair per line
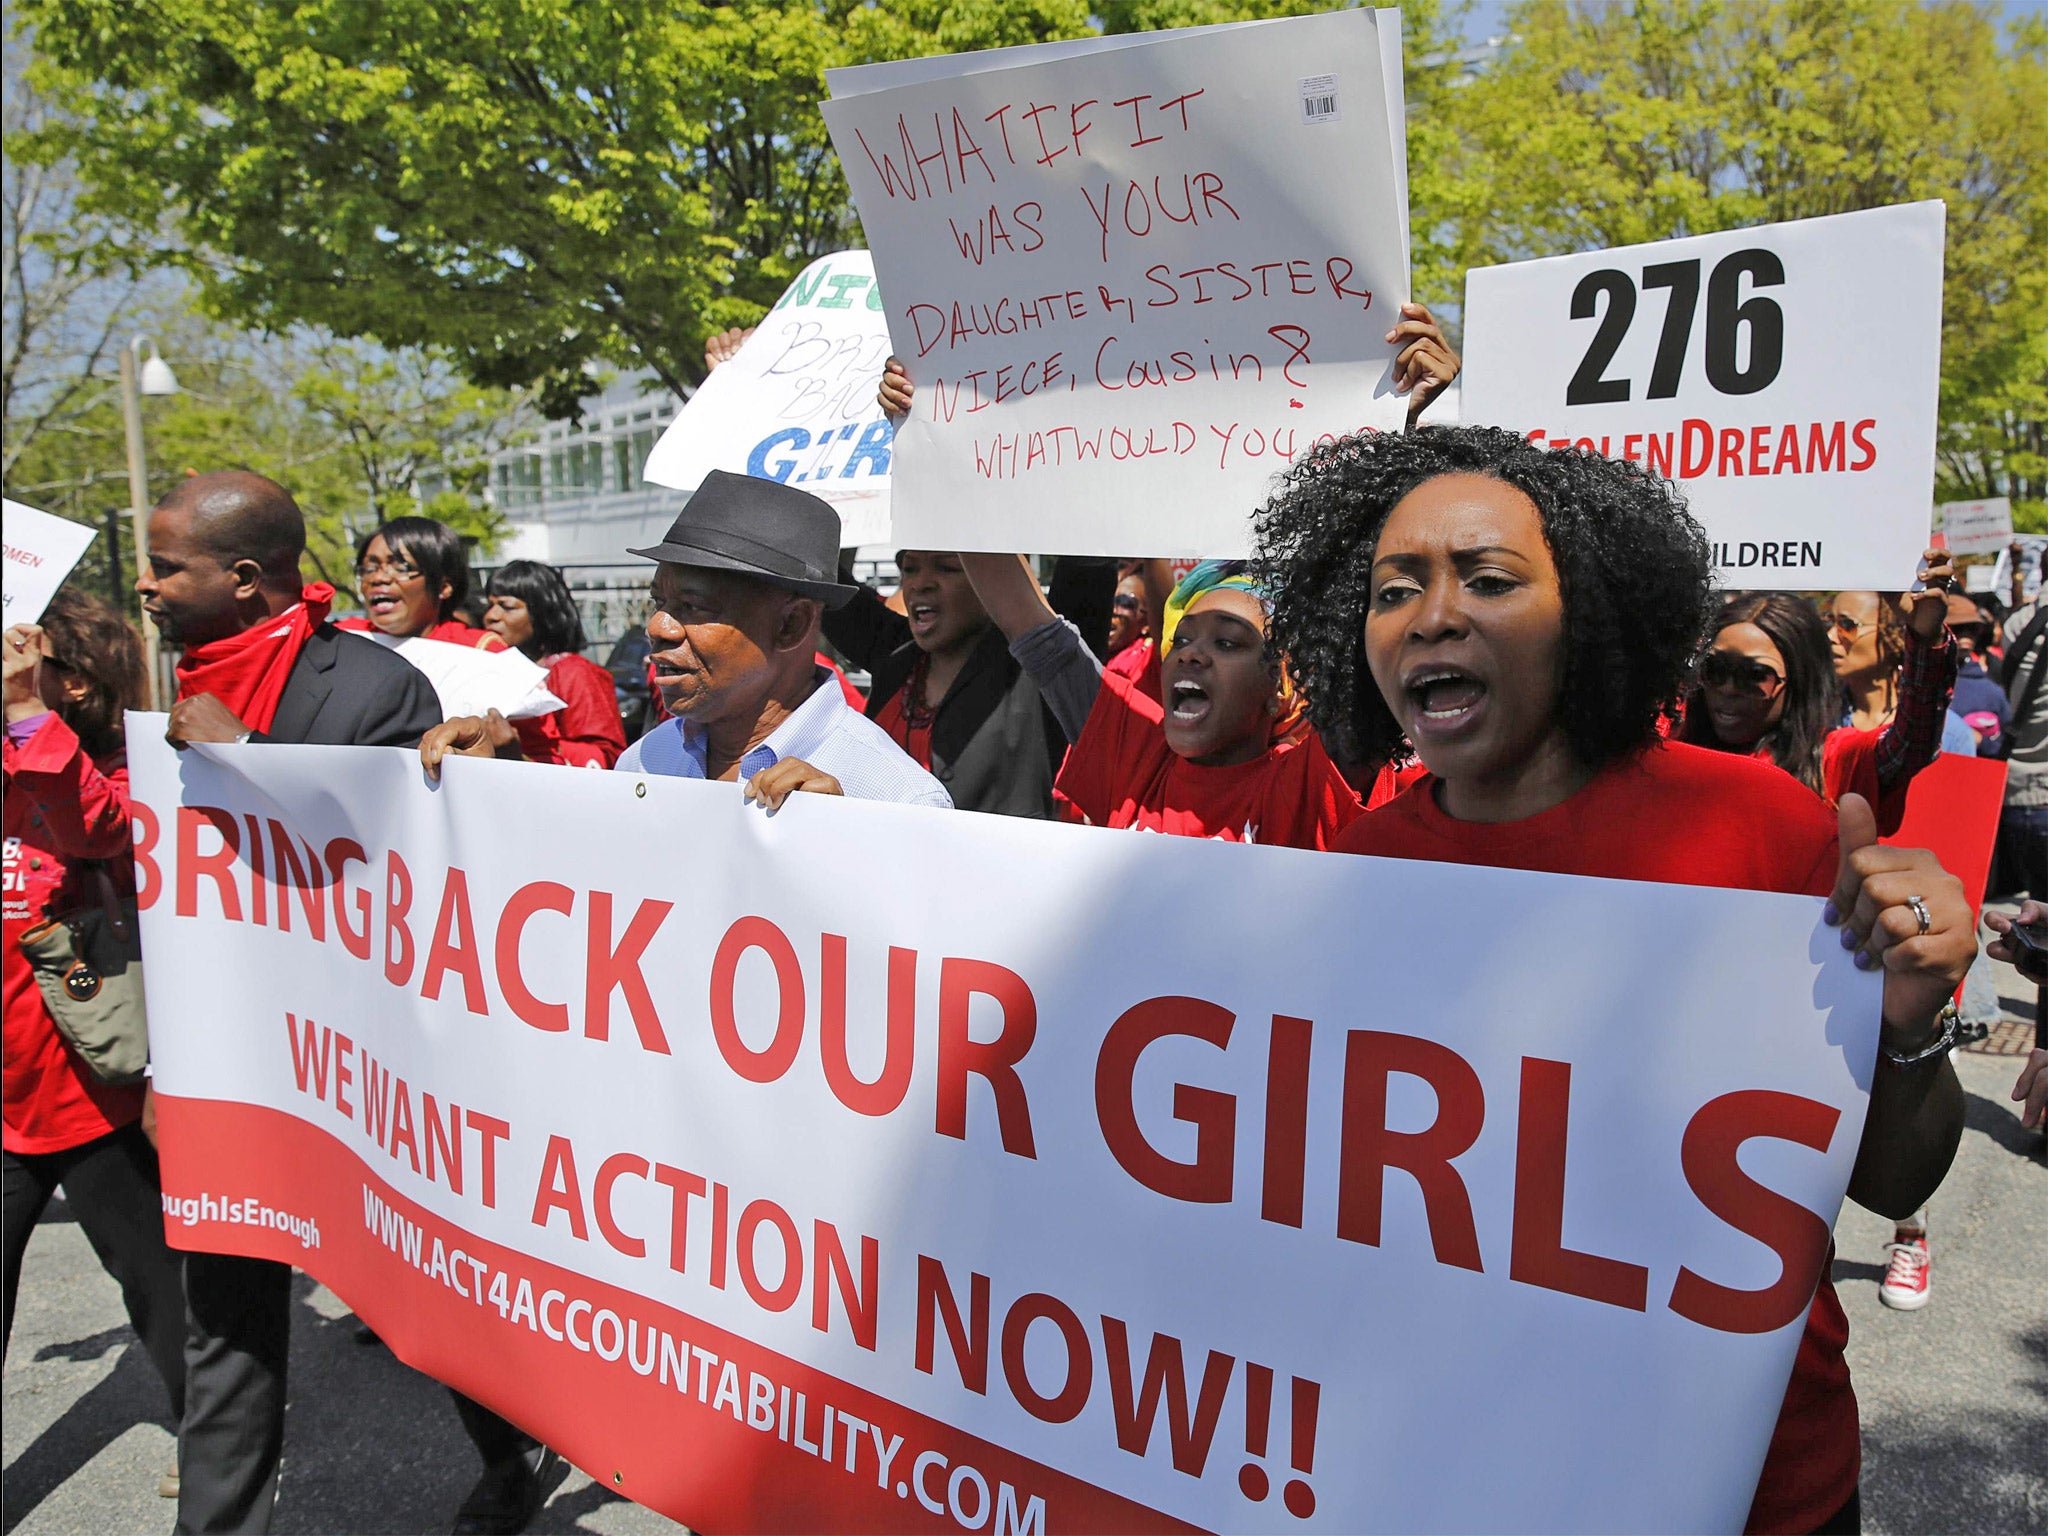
1927, 681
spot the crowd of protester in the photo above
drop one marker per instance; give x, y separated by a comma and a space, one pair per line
1450, 645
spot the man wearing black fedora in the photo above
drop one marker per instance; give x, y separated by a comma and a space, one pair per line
745, 574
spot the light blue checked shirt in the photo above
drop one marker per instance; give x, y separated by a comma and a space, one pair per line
823, 731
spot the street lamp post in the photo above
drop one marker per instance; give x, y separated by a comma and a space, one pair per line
142, 376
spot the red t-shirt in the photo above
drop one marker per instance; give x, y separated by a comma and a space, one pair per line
1683, 815
586, 731
1121, 773
61, 808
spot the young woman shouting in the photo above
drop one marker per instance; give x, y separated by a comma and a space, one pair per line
1527, 619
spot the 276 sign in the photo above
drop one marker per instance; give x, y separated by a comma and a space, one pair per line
1785, 378
1727, 317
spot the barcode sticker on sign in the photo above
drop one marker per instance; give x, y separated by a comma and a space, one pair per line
1319, 100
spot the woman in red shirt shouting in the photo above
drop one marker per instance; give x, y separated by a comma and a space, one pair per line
1527, 619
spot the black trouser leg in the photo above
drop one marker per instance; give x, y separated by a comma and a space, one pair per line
237, 1344
25, 1194
495, 1439
115, 1190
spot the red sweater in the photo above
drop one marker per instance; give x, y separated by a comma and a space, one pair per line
62, 807
1682, 815
586, 731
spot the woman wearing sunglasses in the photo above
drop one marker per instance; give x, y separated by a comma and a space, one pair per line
1523, 620
1767, 684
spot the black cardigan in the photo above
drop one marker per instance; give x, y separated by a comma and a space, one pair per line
995, 746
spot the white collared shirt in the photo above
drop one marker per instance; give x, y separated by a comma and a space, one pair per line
823, 731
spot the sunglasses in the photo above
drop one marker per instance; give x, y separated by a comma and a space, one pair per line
1722, 669
1125, 603
1847, 627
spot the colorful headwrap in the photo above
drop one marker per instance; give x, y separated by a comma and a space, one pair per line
1221, 575
1209, 576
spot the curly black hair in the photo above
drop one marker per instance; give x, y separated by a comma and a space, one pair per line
1813, 699
1636, 571
557, 626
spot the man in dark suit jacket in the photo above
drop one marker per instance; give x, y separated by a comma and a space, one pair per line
261, 664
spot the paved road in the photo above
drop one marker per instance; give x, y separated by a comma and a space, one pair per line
1954, 1397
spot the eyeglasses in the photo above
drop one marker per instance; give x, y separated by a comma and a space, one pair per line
1847, 627
397, 570
1724, 669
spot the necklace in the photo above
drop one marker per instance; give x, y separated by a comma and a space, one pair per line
917, 715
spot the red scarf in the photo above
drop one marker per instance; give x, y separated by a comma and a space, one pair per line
247, 672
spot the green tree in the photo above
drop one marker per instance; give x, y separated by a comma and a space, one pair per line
355, 433
531, 185
1609, 125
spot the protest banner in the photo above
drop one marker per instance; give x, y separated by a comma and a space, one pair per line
40, 552
1131, 282
1786, 377
797, 402
1975, 527
910, 1201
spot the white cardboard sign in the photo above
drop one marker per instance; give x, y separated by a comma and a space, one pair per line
1785, 377
1976, 527
1121, 330
797, 403
1397, 1225
40, 552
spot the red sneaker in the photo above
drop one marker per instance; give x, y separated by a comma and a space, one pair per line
1905, 1282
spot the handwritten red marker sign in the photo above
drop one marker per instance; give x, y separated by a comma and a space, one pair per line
1131, 284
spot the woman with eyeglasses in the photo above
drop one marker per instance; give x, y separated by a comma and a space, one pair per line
67, 680
1526, 618
413, 574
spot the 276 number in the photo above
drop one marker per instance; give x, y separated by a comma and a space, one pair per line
1727, 314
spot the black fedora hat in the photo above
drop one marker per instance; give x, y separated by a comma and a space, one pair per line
758, 528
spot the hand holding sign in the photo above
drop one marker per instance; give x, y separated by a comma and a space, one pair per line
21, 661
1899, 909
1426, 363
